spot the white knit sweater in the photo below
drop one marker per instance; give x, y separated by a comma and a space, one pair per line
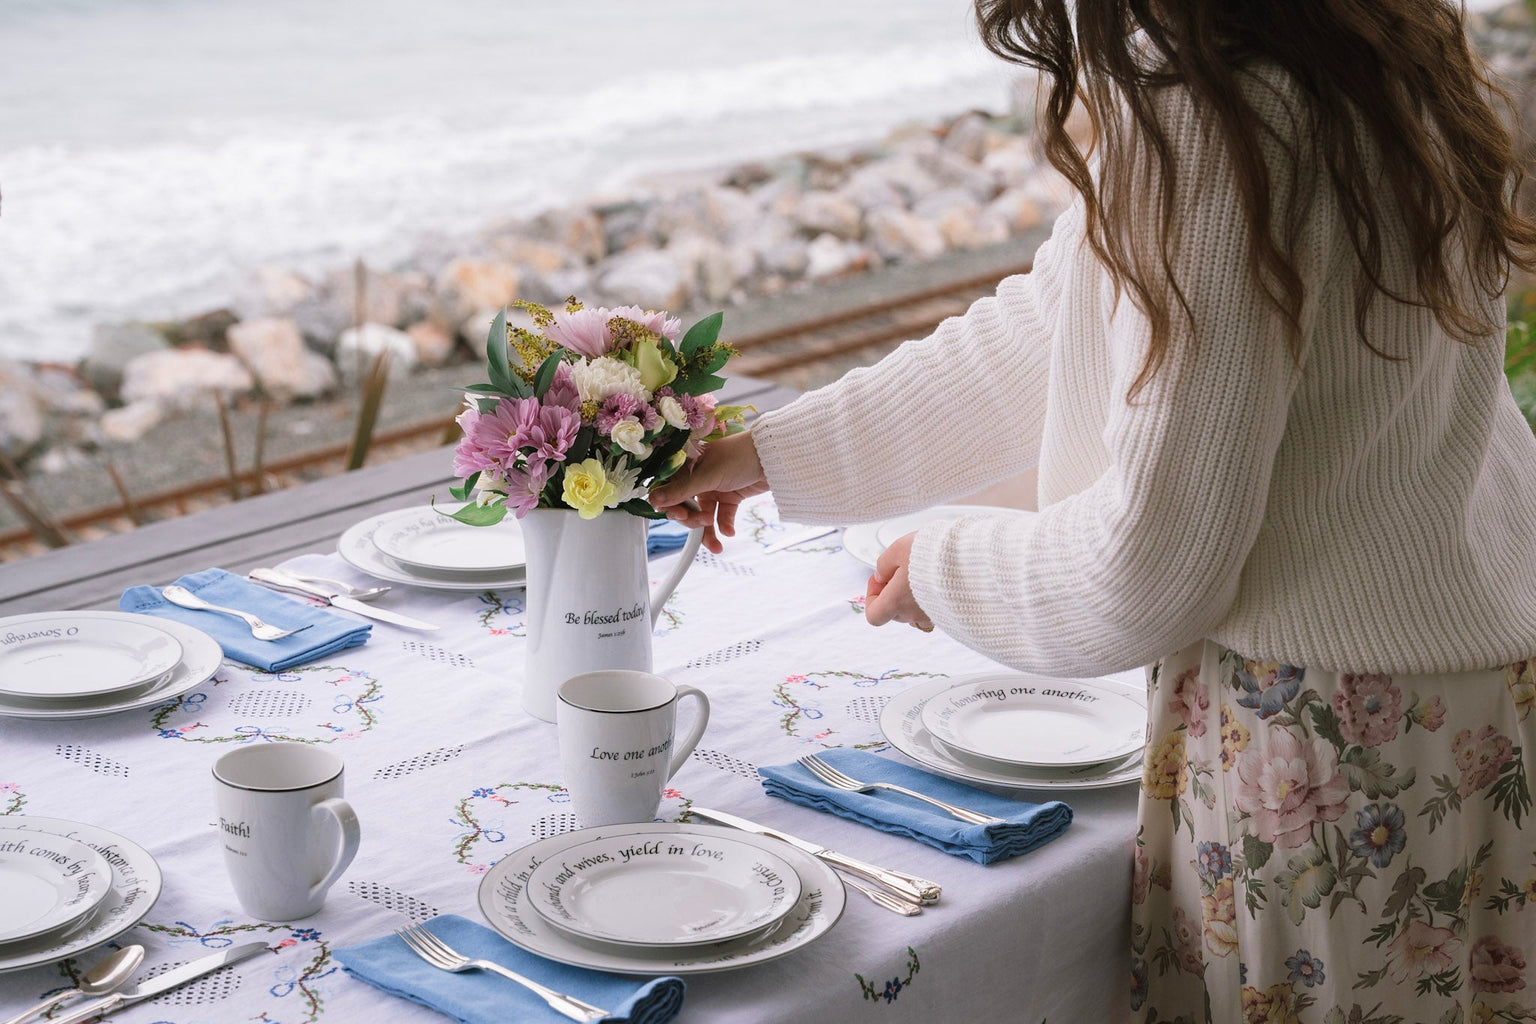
1356, 514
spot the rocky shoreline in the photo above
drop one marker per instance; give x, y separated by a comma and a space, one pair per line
688, 243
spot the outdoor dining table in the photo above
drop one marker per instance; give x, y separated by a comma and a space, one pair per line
448, 774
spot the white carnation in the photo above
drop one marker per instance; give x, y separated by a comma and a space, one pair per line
596, 379
625, 480
630, 435
673, 412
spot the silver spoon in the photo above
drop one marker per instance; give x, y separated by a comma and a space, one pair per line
357, 594
100, 980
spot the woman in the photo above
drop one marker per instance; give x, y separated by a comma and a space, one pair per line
1259, 367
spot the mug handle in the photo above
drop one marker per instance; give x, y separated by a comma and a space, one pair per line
684, 560
351, 835
695, 732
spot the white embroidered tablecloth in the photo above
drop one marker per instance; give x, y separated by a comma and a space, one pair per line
448, 775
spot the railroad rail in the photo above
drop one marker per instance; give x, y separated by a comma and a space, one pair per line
800, 354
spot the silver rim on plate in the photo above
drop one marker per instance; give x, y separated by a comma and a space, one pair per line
69, 655
47, 895
428, 539
505, 904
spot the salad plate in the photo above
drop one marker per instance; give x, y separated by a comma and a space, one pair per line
357, 549
49, 655
506, 901
134, 888
200, 659
427, 538
638, 889
901, 722
49, 882
1037, 721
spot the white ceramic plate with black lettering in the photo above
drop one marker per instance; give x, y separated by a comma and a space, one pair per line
357, 549
507, 903
664, 892
53, 655
200, 658
1036, 721
48, 883
901, 722
428, 538
867, 541
134, 889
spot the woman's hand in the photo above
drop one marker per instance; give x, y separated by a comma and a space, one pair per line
724, 476
888, 597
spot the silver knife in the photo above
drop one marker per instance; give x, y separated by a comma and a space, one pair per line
800, 538
919, 890
174, 978
279, 580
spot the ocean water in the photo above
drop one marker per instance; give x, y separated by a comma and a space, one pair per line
154, 152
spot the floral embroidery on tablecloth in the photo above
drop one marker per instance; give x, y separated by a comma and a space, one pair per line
763, 526
888, 992
332, 703
291, 983
12, 799
503, 614
816, 708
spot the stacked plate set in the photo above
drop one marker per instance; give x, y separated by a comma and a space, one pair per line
423, 547
1021, 731
68, 887
661, 898
83, 664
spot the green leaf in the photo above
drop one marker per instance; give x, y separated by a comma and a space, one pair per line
640, 507
1256, 852
662, 454
1367, 773
701, 335
461, 491
480, 515
699, 384
487, 405
480, 389
546, 375
496, 365
581, 448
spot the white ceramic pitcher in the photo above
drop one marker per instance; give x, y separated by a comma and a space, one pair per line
590, 605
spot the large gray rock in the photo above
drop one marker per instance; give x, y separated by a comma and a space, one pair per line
21, 411
433, 344
898, 235
113, 347
729, 211
131, 422
828, 256
271, 291
829, 213
274, 351
575, 229
950, 169
184, 378
644, 277
901, 176
711, 269
387, 297
967, 135
358, 347
467, 285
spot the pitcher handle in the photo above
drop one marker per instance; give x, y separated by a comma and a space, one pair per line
684, 560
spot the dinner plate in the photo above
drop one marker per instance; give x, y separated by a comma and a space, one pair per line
200, 658
866, 541
901, 722
135, 887
49, 882
1037, 721
357, 549
507, 903
638, 889
429, 539
74, 654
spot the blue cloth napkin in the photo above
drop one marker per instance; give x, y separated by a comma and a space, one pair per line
327, 632
481, 997
664, 535
1025, 825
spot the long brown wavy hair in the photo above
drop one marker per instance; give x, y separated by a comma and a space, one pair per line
1401, 68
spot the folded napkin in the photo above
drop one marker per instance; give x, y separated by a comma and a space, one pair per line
327, 632
481, 997
1025, 825
664, 535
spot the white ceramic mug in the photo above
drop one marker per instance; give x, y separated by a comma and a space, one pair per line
287, 833
618, 742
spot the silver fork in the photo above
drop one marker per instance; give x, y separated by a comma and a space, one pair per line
837, 780
259, 629
440, 955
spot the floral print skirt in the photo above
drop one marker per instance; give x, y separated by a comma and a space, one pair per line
1324, 848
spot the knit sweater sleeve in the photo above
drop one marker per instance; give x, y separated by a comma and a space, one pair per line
906, 433
1148, 557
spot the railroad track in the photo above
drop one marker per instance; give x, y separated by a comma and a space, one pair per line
801, 354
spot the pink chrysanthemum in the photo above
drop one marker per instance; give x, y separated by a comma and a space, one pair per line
656, 323
618, 407
562, 390
584, 332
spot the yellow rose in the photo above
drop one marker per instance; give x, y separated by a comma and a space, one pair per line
656, 368
588, 489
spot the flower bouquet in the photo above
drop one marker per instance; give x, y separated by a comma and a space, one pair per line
588, 411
